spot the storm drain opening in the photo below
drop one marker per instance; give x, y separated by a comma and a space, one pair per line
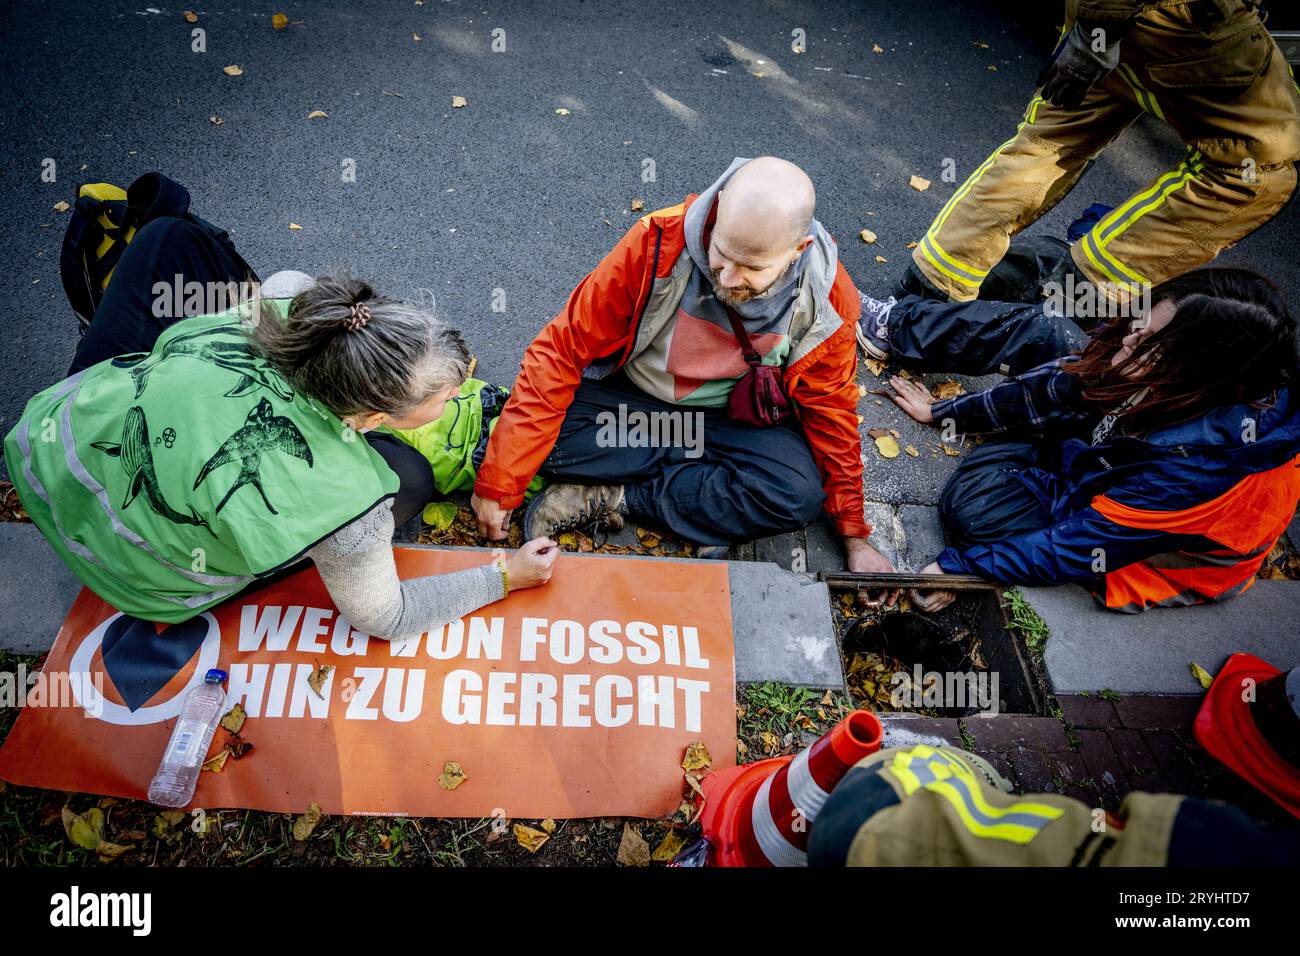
959, 662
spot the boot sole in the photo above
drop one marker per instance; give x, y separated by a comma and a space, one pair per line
873, 351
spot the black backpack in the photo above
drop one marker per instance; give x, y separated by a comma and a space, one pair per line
104, 221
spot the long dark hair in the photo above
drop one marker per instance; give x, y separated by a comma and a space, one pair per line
1231, 341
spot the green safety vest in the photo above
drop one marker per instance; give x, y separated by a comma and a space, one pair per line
168, 481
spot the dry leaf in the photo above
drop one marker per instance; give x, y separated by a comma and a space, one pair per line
887, 445
911, 450
452, 776
946, 390
61, 206
111, 851
638, 205
238, 747
217, 763
548, 825
770, 743
668, 848
877, 48
694, 783
415, 37
279, 21
697, 757
318, 114
190, 16
84, 829
912, 245
881, 259
295, 227
316, 679
876, 366
919, 184
172, 817
877, 432
562, 112
232, 70
867, 236
303, 826
950, 451
1202, 675
993, 68
234, 719
215, 120
530, 839
981, 44
633, 849
458, 101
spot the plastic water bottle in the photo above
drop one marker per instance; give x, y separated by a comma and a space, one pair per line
173, 785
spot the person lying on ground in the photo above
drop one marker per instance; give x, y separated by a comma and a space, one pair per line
651, 336
186, 459
1158, 468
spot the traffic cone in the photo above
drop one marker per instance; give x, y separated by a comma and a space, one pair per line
759, 814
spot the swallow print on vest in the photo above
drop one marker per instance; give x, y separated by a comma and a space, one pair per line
263, 431
235, 356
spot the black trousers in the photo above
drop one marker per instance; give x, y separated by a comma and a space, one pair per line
990, 498
165, 249
733, 483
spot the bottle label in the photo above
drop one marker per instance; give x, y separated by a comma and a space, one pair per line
186, 741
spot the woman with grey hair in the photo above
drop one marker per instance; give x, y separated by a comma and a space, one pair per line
199, 454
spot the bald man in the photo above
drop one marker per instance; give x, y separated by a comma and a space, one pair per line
622, 398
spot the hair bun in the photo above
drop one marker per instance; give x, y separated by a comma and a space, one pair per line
358, 316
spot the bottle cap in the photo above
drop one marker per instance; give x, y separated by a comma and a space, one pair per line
215, 676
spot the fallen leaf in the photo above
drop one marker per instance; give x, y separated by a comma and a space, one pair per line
217, 763
697, 757
668, 847
827, 699
316, 679
84, 829
867, 236
190, 16
919, 184
633, 849
950, 451
993, 68
440, 514
215, 120
648, 539
234, 719
562, 112
912, 245
877, 48
693, 782
303, 826
232, 70
638, 205
947, 390
877, 432
770, 743
911, 450
981, 44
111, 851
239, 747
1202, 675
876, 366
295, 227
548, 825
318, 114
279, 21
452, 776
887, 445
172, 817
530, 839
61, 206
458, 101
415, 37
881, 259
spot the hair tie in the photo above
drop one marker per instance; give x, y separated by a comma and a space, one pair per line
357, 317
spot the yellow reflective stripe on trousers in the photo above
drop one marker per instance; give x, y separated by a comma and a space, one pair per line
923, 767
1146, 99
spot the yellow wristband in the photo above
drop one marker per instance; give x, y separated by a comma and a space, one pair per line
505, 578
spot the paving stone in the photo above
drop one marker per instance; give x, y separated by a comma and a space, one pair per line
1087, 711
780, 549
1006, 733
1032, 773
1003, 766
1091, 649
1149, 783
823, 549
1071, 776
887, 535
1175, 767
1167, 713
36, 589
783, 627
1132, 750
923, 536
1104, 766
906, 730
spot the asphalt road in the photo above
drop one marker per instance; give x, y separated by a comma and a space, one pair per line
505, 193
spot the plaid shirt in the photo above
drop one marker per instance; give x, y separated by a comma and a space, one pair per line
1044, 394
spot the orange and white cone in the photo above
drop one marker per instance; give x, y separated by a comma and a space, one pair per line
759, 814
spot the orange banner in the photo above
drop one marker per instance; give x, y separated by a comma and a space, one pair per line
575, 699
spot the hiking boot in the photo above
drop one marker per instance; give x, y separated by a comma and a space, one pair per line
873, 327
568, 507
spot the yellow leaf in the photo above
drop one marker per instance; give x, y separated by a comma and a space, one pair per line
318, 114
85, 829
217, 763
1202, 675
61, 206
912, 245
316, 679
638, 205
458, 101
295, 227
881, 259
303, 826
668, 848
877, 48
111, 851
993, 68
876, 366
234, 719
530, 839
567, 539
693, 782
232, 70
919, 184
452, 776
950, 451
440, 514
279, 21
887, 445
911, 450
697, 757
190, 16
770, 743
548, 825
947, 390
215, 120
981, 44
415, 37
633, 849
867, 236
562, 112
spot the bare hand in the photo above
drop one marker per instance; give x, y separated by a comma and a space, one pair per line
913, 398
864, 559
493, 520
932, 601
531, 565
